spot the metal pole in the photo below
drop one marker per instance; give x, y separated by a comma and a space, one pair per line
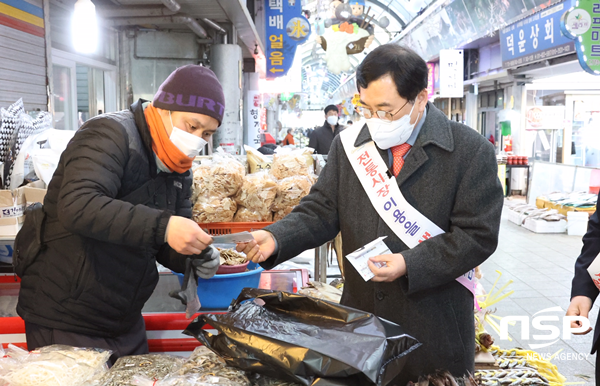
49, 70
225, 62
321, 264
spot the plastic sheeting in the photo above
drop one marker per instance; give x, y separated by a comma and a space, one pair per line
306, 340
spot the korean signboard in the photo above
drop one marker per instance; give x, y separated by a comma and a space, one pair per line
451, 74
430, 79
536, 38
582, 23
286, 28
254, 127
545, 118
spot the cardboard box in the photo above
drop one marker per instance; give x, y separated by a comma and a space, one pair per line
10, 226
35, 192
12, 203
564, 210
542, 202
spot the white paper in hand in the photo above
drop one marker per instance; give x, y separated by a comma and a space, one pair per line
235, 238
360, 258
594, 271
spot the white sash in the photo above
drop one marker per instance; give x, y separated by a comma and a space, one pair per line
387, 199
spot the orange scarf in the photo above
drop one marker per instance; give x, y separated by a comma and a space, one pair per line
165, 150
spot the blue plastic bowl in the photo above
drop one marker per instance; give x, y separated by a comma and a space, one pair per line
217, 292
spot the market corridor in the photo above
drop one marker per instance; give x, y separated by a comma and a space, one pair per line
541, 267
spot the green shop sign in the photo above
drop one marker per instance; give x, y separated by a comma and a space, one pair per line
582, 23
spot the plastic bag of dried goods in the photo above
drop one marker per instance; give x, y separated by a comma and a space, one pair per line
214, 209
280, 215
258, 192
257, 161
292, 162
291, 191
56, 365
220, 177
248, 215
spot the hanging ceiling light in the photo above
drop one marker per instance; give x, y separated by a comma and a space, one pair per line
85, 27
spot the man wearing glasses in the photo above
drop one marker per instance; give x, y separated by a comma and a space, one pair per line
430, 186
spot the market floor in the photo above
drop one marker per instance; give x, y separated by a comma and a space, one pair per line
541, 268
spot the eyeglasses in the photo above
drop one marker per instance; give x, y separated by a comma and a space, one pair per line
383, 115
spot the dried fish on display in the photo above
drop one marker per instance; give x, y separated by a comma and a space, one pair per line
205, 362
152, 366
263, 380
231, 257
55, 365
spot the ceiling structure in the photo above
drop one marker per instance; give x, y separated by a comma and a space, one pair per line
322, 86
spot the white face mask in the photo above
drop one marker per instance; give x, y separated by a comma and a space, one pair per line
389, 134
332, 120
189, 144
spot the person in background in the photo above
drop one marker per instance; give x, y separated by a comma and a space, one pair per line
118, 203
322, 137
349, 123
427, 169
289, 138
583, 290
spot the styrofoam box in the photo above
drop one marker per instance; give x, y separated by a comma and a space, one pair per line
515, 217
577, 223
543, 226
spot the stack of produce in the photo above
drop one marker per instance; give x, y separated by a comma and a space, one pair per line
216, 182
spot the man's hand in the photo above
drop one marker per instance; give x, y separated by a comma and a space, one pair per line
395, 266
580, 306
186, 237
260, 249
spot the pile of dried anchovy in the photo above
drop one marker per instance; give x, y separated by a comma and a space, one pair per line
203, 361
231, 257
152, 366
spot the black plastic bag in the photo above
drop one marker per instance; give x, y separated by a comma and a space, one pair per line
305, 340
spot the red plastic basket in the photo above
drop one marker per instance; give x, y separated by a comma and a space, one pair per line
227, 228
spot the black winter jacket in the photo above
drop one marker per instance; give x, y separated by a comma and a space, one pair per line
322, 138
96, 280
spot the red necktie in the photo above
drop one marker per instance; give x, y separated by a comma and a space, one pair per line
398, 152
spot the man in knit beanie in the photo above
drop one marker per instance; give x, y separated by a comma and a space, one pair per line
118, 203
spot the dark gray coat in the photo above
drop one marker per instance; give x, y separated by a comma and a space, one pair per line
450, 176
